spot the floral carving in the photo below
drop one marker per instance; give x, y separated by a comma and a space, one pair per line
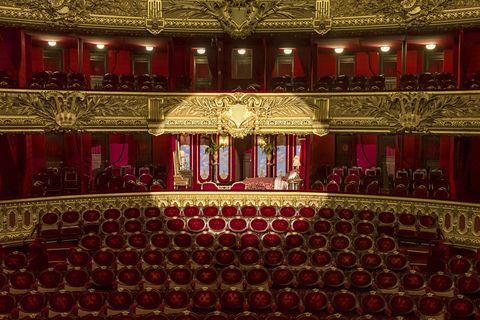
409, 13
408, 112
71, 110
240, 18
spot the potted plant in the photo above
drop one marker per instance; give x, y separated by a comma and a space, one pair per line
212, 149
268, 147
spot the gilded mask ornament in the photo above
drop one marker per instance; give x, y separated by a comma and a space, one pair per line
239, 18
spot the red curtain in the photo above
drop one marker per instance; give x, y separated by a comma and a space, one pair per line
212, 56
305, 55
270, 63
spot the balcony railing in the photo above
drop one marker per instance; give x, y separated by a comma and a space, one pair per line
239, 114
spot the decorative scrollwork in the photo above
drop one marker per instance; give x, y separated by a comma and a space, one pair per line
409, 13
240, 18
70, 110
408, 112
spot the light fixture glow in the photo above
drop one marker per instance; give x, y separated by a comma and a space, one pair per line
384, 48
338, 50
100, 46
52, 43
201, 50
149, 48
431, 46
242, 51
287, 51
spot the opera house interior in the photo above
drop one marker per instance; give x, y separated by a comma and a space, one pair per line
240, 159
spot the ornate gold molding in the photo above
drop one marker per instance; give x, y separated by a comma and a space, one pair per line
458, 221
240, 114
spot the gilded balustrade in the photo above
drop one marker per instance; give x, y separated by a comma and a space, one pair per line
460, 222
239, 114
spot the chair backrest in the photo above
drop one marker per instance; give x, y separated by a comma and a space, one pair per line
318, 186
333, 186
420, 191
238, 186
351, 187
373, 188
400, 190
209, 186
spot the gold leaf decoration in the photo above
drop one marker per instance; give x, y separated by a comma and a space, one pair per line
239, 18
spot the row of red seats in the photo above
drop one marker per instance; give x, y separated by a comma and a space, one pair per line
57, 80
130, 82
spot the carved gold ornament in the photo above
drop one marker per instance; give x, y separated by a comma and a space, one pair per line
408, 13
66, 12
239, 18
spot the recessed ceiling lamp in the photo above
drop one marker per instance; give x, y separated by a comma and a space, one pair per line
339, 50
149, 48
431, 46
201, 50
242, 51
384, 48
100, 46
52, 43
287, 51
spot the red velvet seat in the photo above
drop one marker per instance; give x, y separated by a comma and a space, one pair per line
249, 257
232, 300
468, 284
288, 300
461, 307
346, 214
91, 242
326, 213
301, 225
344, 301
343, 226
102, 278
371, 260
217, 224
112, 213
386, 223
385, 244
114, 242
78, 258
333, 278
183, 240
138, 241
271, 239
110, 226
323, 226
90, 302
49, 280
225, 257
317, 241
61, 303
49, 227
206, 276
365, 215
321, 258
441, 284
204, 239
175, 224
147, 301
128, 278
204, 299
176, 300
238, 224
160, 240
216, 315
372, 303
293, 240
248, 211
307, 277
70, 224
14, 261
231, 277
346, 259
249, 239
128, 257
21, 282
91, 221
268, 211
396, 261
273, 257
279, 225
401, 305
297, 257
191, 211
365, 228
132, 226
7, 305
459, 265
289, 212
103, 257
227, 211
360, 279
202, 257
257, 277
407, 225
154, 277
180, 277
260, 300
227, 239
196, 224
430, 306
315, 301
363, 243
387, 281
118, 302
414, 283
151, 212
283, 276
259, 225
31, 305
76, 280
177, 257
339, 242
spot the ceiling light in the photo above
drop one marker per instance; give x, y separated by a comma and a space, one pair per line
384, 48
242, 51
431, 46
338, 50
149, 48
100, 46
201, 50
52, 43
287, 51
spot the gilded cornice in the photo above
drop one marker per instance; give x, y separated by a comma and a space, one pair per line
458, 221
238, 18
240, 114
